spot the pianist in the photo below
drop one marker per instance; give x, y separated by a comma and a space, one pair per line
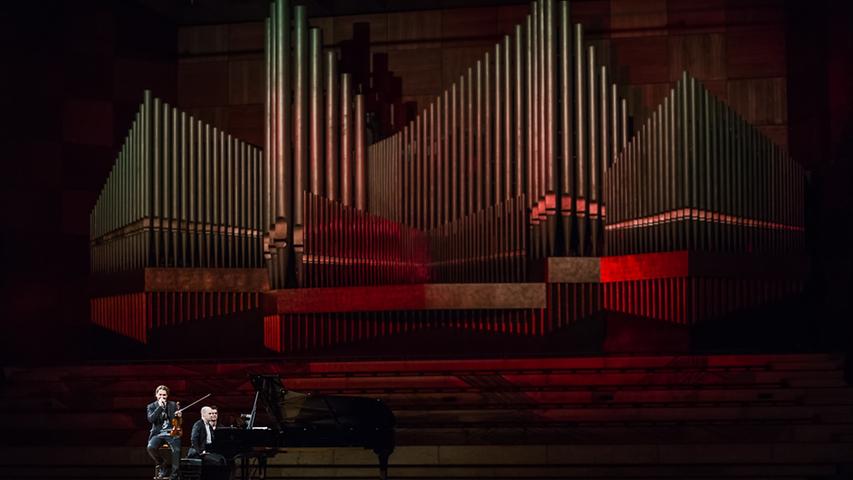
161, 412
202, 436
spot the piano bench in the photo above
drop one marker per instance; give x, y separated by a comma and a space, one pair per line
190, 469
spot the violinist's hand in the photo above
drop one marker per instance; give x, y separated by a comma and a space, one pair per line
179, 414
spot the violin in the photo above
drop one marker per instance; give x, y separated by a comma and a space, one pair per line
176, 430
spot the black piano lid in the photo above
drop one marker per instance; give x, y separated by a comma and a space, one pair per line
270, 391
289, 408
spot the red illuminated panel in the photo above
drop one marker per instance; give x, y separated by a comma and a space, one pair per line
644, 266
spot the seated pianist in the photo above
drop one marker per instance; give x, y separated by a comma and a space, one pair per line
214, 465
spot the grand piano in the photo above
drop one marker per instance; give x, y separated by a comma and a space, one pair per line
304, 420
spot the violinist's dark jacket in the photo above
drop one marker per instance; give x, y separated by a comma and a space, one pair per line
160, 417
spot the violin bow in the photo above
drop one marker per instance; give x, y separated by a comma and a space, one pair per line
190, 405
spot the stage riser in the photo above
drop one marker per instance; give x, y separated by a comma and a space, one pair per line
627, 461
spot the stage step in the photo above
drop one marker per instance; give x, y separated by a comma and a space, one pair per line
620, 461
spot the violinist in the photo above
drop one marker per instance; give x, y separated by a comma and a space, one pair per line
163, 415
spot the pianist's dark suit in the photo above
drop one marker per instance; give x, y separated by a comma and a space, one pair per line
214, 463
200, 444
160, 419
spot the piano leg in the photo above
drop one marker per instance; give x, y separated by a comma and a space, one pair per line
251, 467
383, 463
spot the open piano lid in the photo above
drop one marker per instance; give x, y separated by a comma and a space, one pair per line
352, 414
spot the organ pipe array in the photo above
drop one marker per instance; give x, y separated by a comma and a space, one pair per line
698, 177
523, 158
314, 141
537, 120
181, 194
532, 127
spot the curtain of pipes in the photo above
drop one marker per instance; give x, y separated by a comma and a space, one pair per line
180, 194
698, 177
315, 135
530, 127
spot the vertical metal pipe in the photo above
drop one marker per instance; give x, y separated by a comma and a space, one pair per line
438, 143
412, 176
275, 118
270, 193
672, 176
156, 174
550, 98
707, 172
519, 115
656, 179
716, 167
604, 126
215, 197
594, 161
170, 189
332, 126
580, 137
201, 184
790, 193
423, 168
663, 166
283, 122
429, 148
222, 198
360, 173
183, 190
454, 155
244, 185
738, 176
507, 113
479, 168
300, 117
499, 107
463, 147
567, 180
417, 170
624, 122
136, 192
316, 112
488, 160
228, 182
346, 140
249, 194
694, 166
445, 165
541, 105
197, 191
533, 104
615, 136
406, 182
530, 159
206, 181
399, 158
470, 140
605, 148
146, 160
239, 186
169, 151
